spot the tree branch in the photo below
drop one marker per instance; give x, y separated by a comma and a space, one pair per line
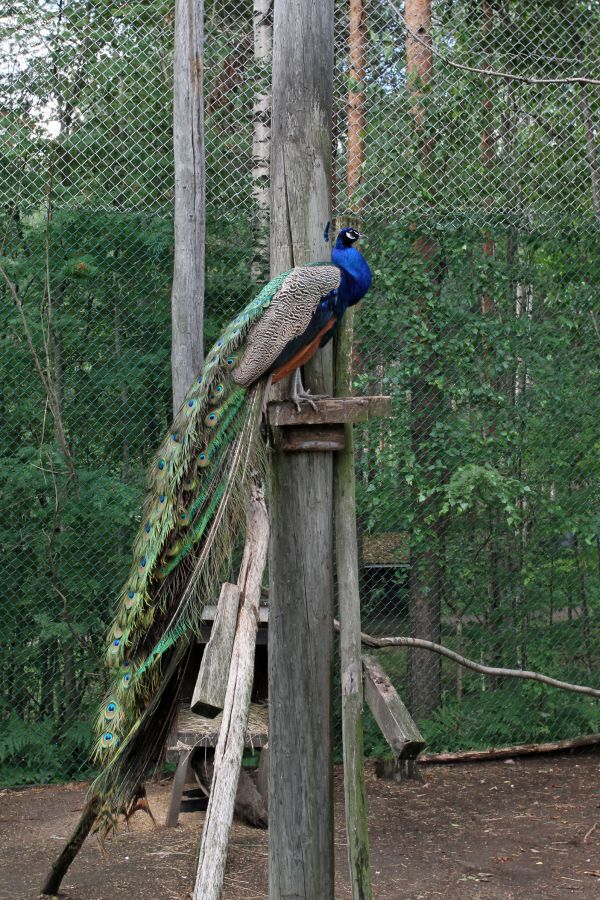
419, 644
46, 382
524, 79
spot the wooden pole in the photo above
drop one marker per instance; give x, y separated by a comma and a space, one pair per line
346, 555
344, 493
187, 295
301, 859
230, 746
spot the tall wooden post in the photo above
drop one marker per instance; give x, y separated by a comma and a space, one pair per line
301, 604
187, 294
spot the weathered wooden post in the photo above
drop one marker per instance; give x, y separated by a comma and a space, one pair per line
301, 604
187, 293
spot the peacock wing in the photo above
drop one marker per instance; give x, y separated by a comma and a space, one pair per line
287, 317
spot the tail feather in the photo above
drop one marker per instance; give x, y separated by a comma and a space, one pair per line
195, 507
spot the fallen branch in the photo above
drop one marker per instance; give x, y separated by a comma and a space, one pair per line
462, 756
419, 644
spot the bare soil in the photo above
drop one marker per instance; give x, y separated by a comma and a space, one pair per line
527, 829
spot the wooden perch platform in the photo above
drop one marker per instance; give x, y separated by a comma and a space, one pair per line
330, 411
310, 430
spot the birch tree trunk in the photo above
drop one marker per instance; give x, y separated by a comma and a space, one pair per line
261, 139
187, 296
301, 593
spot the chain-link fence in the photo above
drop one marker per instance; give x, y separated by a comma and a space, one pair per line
480, 195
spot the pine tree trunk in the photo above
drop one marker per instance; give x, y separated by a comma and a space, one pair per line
427, 567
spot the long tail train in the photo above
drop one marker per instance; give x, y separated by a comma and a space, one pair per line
193, 513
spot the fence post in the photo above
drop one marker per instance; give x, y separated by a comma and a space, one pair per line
301, 863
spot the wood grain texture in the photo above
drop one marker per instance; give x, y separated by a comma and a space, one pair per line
187, 294
300, 617
396, 723
230, 746
346, 557
211, 685
310, 438
330, 410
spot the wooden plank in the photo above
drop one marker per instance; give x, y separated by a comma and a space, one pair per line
179, 781
301, 847
230, 746
346, 556
310, 438
211, 685
396, 723
262, 774
330, 410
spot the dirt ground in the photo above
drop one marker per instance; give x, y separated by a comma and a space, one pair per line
527, 829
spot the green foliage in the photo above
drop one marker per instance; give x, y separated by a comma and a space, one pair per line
504, 486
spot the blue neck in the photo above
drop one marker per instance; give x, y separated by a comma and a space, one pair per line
356, 274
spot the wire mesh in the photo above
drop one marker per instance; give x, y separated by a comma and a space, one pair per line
480, 197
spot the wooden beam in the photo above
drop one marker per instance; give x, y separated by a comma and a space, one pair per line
230, 746
310, 438
346, 556
211, 685
330, 410
390, 713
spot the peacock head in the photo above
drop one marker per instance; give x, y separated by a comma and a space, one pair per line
347, 238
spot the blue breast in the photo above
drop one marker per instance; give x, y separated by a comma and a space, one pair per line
356, 275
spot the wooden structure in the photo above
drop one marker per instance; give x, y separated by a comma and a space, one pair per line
394, 720
300, 570
236, 705
193, 731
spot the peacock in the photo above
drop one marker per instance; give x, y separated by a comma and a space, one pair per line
198, 486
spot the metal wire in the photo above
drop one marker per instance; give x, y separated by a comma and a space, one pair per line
480, 197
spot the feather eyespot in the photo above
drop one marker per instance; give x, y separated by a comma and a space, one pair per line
231, 362
147, 527
116, 643
110, 710
175, 436
191, 402
161, 498
211, 419
199, 379
203, 460
217, 393
161, 464
109, 739
126, 679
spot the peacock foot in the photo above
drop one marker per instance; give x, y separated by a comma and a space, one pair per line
299, 394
